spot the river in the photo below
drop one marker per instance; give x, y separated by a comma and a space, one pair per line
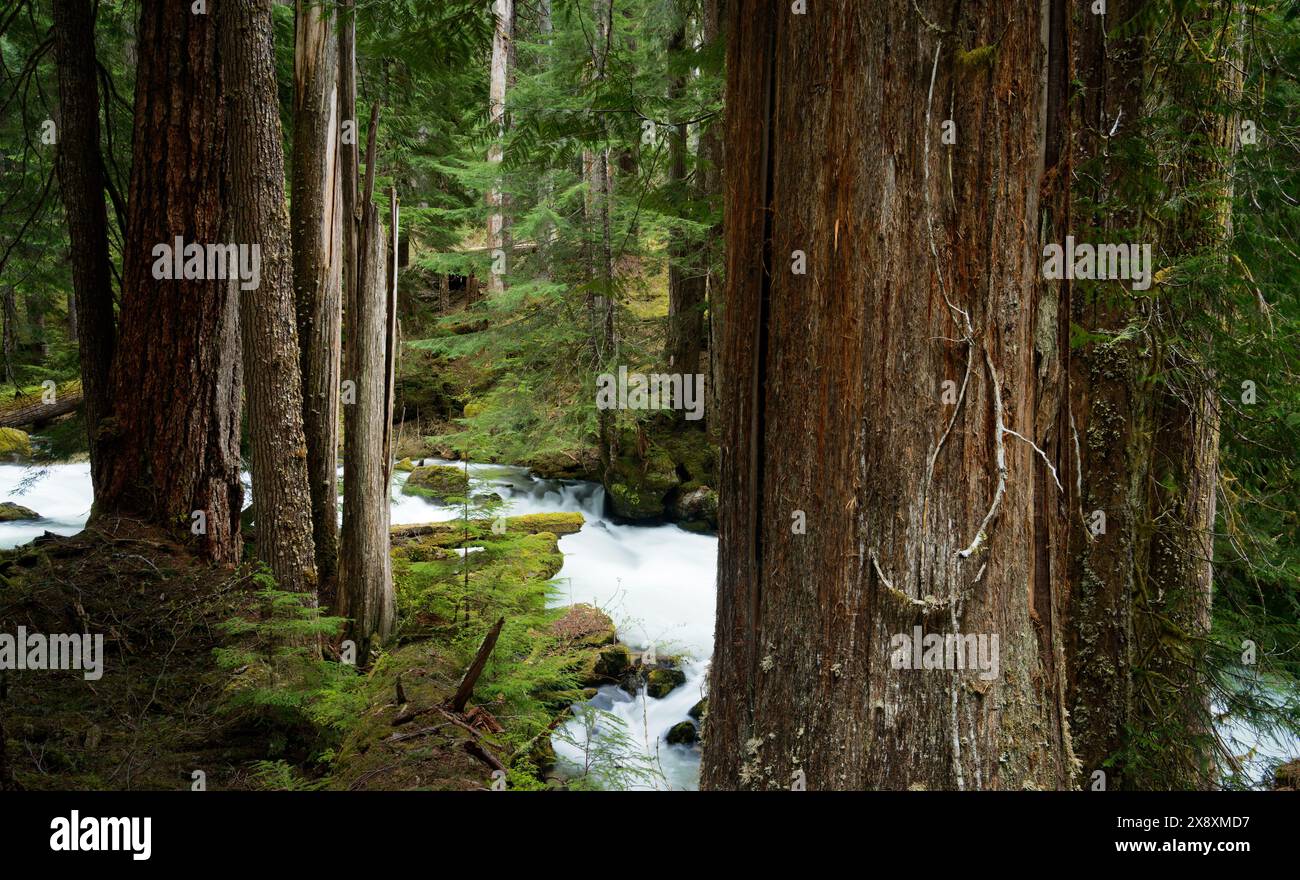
656, 582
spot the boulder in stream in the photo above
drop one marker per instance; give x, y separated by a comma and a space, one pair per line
661, 682
15, 443
437, 482
682, 734
10, 512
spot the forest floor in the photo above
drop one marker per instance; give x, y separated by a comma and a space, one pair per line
166, 714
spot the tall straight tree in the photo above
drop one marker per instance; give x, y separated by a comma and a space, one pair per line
1158, 129
503, 12
893, 366
317, 229
170, 446
255, 169
600, 303
81, 183
365, 573
686, 273
710, 187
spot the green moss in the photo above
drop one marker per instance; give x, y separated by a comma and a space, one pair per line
682, 734
661, 682
15, 442
660, 461
980, 57
10, 512
437, 483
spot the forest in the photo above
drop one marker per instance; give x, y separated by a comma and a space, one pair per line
464, 395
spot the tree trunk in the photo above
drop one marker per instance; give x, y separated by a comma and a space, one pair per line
921, 504
82, 185
710, 177
1148, 442
256, 185
601, 263
1175, 619
1111, 430
170, 446
503, 12
348, 170
686, 273
72, 319
365, 574
316, 222
9, 308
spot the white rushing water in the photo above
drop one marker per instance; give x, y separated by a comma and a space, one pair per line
656, 582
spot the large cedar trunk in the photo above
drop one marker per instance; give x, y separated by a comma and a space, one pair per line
922, 268
316, 221
266, 312
170, 446
81, 182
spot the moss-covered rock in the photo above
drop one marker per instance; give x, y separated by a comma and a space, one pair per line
699, 710
14, 442
698, 506
579, 464
661, 682
660, 463
405, 465
585, 625
10, 512
612, 662
639, 487
437, 482
682, 734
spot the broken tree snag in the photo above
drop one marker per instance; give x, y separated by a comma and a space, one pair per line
484, 755
467, 683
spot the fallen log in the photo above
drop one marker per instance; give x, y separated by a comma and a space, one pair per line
31, 408
453, 531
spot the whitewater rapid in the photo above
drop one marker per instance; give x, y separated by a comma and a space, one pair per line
655, 582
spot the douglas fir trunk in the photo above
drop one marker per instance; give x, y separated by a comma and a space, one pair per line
171, 442
258, 217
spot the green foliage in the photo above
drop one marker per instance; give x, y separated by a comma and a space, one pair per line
278, 679
611, 757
